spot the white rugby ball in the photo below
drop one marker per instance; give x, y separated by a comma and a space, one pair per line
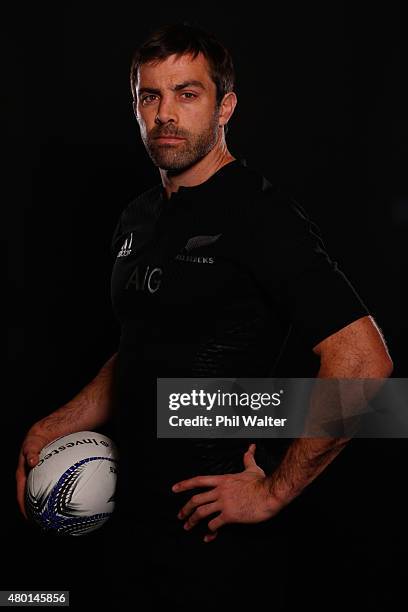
71, 490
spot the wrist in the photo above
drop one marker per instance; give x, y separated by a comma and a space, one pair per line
276, 497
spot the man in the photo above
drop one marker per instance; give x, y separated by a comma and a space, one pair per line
213, 267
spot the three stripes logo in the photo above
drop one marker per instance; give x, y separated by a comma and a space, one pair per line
126, 247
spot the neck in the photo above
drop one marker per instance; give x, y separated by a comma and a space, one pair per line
199, 173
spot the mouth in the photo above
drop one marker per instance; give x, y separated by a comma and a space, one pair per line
169, 139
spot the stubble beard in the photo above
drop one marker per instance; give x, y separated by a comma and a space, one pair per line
178, 157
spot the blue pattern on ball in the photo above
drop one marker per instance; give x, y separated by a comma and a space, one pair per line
55, 516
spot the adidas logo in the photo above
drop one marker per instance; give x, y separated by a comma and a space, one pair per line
126, 247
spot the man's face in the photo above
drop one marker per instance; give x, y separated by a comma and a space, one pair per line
170, 104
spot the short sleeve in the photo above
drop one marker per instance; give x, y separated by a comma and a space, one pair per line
289, 262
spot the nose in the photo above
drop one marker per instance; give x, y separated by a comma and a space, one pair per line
166, 111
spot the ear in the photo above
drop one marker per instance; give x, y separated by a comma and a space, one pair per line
228, 105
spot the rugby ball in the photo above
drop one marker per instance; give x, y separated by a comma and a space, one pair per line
71, 489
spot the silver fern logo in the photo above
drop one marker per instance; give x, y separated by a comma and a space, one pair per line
126, 247
197, 242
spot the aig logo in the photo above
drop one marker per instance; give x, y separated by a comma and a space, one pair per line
145, 279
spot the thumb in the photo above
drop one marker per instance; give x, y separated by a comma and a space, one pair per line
32, 460
249, 456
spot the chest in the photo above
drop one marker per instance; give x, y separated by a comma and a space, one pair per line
194, 264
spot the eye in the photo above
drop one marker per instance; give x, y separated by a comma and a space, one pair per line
146, 98
188, 93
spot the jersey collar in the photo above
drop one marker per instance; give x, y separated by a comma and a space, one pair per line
224, 181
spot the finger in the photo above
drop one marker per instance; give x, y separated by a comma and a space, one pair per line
197, 481
249, 457
32, 455
197, 500
27, 459
217, 522
200, 513
21, 495
21, 479
210, 537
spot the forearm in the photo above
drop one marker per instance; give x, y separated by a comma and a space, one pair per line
336, 405
304, 460
90, 408
309, 455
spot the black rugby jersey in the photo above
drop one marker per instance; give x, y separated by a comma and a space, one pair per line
208, 283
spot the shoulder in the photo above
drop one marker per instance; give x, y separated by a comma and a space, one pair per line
266, 206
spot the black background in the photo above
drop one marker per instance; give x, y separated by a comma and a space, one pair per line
322, 110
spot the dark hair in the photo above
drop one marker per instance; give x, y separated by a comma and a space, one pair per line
180, 39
